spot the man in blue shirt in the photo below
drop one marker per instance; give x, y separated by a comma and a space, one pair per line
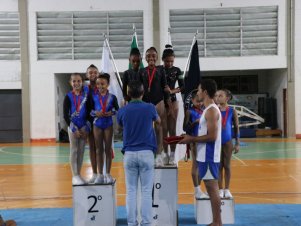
139, 144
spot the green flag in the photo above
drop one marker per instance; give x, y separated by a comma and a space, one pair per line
135, 45
134, 41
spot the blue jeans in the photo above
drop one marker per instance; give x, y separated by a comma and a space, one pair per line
139, 164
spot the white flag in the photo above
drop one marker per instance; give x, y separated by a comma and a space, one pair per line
180, 148
107, 67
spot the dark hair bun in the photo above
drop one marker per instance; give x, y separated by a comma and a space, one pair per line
135, 51
168, 51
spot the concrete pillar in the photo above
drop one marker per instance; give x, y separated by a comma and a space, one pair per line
156, 27
25, 78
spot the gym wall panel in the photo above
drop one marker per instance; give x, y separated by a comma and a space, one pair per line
233, 35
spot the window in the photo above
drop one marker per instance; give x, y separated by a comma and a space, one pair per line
9, 36
226, 32
79, 35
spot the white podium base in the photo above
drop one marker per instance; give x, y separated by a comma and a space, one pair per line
165, 196
94, 204
203, 212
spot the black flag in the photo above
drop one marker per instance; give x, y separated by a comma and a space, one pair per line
193, 78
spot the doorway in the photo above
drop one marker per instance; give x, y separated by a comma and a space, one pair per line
11, 116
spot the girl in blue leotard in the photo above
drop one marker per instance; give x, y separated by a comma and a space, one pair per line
229, 119
104, 105
76, 116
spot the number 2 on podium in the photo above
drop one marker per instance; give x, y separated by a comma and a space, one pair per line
91, 210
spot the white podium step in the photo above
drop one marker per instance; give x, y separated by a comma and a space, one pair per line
165, 196
203, 212
94, 204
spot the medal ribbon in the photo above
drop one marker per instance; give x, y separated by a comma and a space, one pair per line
200, 111
103, 103
224, 121
150, 77
77, 103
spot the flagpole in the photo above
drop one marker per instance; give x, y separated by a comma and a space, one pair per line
169, 37
118, 76
188, 59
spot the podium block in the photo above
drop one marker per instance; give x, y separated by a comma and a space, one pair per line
165, 196
94, 204
203, 212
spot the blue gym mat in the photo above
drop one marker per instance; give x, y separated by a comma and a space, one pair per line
245, 215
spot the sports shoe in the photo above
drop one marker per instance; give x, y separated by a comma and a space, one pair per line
201, 195
159, 161
228, 194
221, 193
104, 179
172, 160
165, 158
93, 178
100, 179
77, 180
108, 179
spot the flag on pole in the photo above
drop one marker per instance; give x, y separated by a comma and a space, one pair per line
193, 78
107, 67
134, 44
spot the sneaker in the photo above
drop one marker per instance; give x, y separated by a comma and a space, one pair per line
201, 195
205, 195
100, 179
109, 179
172, 160
77, 180
159, 161
165, 158
104, 179
93, 178
228, 194
221, 193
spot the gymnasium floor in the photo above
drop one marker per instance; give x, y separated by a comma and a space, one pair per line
266, 171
